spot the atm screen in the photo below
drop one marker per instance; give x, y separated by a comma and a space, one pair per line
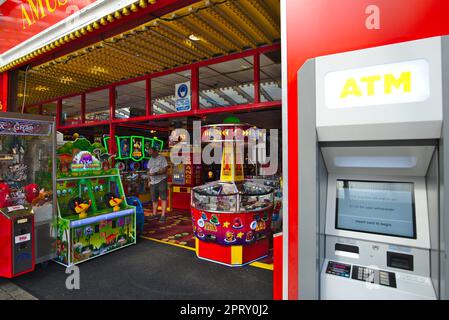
385, 208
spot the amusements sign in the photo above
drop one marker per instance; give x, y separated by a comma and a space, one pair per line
20, 20
230, 228
20, 128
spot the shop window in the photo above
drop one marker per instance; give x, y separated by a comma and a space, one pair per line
97, 106
71, 111
32, 109
163, 93
46, 109
270, 76
130, 100
49, 109
227, 84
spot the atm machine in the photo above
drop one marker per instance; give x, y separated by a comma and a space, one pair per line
372, 155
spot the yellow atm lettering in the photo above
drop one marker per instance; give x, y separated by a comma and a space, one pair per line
367, 85
371, 84
405, 80
351, 88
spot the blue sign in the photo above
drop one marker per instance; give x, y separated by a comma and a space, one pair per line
183, 100
183, 90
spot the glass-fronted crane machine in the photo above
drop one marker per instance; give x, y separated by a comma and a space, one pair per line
372, 125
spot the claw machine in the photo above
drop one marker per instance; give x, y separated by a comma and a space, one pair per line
27, 210
93, 215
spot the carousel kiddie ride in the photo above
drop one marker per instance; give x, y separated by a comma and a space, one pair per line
231, 217
94, 217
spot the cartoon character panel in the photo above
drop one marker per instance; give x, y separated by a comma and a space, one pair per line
231, 228
232, 214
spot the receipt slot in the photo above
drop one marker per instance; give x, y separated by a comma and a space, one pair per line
371, 154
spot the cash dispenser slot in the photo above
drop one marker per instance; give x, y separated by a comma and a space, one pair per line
400, 261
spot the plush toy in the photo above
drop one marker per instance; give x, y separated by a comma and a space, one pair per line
4, 195
31, 192
42, 198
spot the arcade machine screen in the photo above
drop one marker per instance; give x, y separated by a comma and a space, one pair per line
158, 144
385, 208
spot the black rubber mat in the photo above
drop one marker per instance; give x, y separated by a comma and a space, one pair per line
151, 271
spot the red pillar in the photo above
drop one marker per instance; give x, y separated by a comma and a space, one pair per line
277, 266
59, 113
257, 78
195, 87
4, 92
112, 140
341, 27
148, 97
83, 108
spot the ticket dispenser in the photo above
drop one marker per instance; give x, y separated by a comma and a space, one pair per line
371, 154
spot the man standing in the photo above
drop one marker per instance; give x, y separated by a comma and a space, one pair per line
157, 172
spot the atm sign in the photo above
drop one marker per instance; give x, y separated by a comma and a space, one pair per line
395, 83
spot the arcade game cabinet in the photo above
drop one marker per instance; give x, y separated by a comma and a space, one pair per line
231, 217
184, 175
27, 213
372, 168
94, 216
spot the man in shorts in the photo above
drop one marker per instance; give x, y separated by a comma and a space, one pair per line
157, 172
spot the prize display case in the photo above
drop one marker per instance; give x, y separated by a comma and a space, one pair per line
27, 211
231, 217
93, 215
274, 182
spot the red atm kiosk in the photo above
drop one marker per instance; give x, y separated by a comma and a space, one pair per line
17, 241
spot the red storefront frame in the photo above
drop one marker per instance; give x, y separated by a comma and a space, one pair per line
194, 112
127, 23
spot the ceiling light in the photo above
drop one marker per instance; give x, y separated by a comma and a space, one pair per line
194, 37
42, 88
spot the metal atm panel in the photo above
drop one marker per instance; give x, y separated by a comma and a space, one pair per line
396, 139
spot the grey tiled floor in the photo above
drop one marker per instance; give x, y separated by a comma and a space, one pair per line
9, 291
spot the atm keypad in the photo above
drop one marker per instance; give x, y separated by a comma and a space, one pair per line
381, 277
363, 274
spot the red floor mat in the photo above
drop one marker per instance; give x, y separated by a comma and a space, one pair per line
177, 230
